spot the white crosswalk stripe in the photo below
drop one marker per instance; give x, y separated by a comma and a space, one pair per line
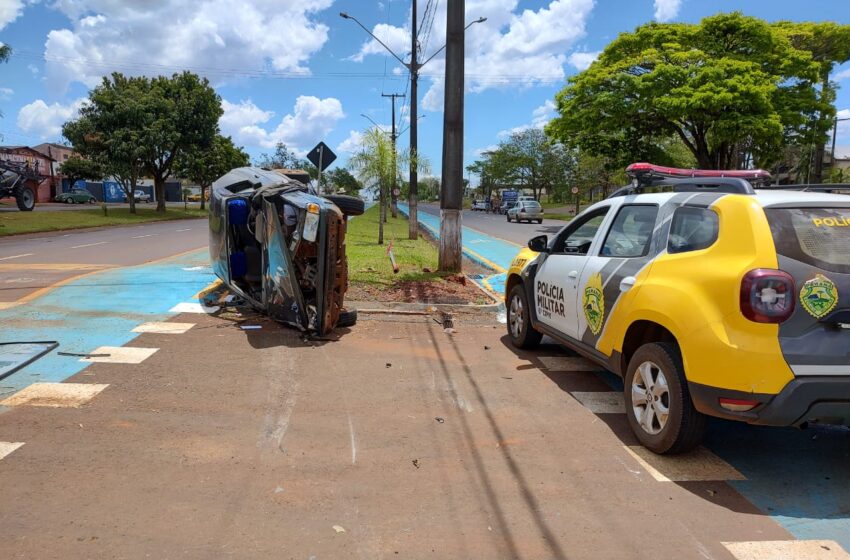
120, 355
698, 465
70, 395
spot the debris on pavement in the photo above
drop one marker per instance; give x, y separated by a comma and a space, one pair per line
250, 327
486, 347
16, 355
339, 528
82, 355
389, 365
416, 463
440, 419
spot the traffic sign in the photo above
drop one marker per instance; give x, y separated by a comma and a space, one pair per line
321, 156
574, 190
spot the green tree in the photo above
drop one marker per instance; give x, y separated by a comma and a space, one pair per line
182, 115
5, 53
76, 168
282, 158
342, 181
110, 130
733, 89
204, 166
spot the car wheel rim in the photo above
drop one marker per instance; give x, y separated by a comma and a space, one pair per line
650, 398
28, 197
516, 317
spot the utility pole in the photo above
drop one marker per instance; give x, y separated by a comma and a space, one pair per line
413, 187
452, 185
393, 137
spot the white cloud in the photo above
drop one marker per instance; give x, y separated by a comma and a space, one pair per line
34, 69
539, 118
843, 75
396, 38
311, 120
217, 38
9, 11
45, 121
665, 10
583, 60
6, 93
512, 49
351, 144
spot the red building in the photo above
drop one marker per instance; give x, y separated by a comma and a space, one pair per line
36, 160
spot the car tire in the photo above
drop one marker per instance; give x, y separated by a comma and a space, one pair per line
92, 200
508, 216
348, 205
540, 221
25, 199
347, 318
520, 331
69, 200
684, 426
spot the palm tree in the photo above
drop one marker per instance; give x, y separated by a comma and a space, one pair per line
376, 163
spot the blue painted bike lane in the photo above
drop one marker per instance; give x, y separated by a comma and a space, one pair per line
100, 309
491, 252
801, 479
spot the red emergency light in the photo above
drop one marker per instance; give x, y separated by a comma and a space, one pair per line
648, 170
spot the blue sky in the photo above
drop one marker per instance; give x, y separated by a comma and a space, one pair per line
294, 71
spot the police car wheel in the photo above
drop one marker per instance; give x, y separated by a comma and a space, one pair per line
520, 331
658, 405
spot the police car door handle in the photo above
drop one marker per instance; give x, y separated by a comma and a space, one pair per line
626, 283
573, 274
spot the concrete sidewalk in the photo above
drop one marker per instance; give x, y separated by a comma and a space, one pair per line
394, 440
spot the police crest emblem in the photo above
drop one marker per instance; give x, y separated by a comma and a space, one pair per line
593, 303
819, 296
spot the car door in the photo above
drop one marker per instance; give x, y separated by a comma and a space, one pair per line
611, 270
281, 293
557, 278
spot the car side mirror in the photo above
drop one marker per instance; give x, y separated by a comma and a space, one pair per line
539, 244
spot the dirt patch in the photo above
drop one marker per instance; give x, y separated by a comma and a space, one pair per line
454, 289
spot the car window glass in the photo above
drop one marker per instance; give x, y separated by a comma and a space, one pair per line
578, 236
631, 233
692, 229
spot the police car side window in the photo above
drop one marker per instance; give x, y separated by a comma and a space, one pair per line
577, 238
692, 229
631, 233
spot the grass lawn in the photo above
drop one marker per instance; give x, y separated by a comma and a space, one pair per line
12, 223
553, 216
368, 262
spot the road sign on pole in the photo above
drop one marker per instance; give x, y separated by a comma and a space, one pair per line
321, 156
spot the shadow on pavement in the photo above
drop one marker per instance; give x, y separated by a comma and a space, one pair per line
799, 477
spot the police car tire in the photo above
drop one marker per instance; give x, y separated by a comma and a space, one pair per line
528, 337
685, 425
348, 205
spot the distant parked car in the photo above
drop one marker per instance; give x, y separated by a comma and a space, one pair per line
76, 196
196, 196
141, 196
479, 205
526, 210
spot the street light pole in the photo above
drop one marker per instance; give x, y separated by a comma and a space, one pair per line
451, 199
413, 187
393, 136
414, 66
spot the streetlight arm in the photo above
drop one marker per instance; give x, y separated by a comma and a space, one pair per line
441, 49
389, 50
373, 122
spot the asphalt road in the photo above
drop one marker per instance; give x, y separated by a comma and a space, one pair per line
393, 440
8, 205
498, 226
31, 262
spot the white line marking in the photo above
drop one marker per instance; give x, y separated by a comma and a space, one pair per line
141, 236
698, 465
120, 355
89, 244
71, 395
16, 256
187, 229
164, 328
601, 402
7, 447
353, 443
189, 307
787, 550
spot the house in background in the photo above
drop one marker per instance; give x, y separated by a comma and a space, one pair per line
37, 161
58, 153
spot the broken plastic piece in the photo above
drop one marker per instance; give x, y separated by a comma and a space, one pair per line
16, 355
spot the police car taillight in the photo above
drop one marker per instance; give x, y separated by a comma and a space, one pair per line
767, 295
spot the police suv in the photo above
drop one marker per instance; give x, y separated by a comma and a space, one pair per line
707, 296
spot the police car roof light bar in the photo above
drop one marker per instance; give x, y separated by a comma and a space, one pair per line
647, 172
